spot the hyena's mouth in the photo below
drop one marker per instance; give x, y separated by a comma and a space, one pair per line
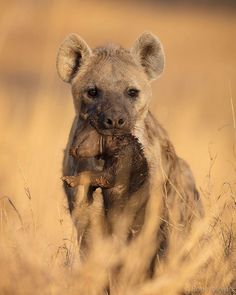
95, 122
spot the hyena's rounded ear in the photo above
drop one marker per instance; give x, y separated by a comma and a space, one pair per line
72, 54
148, 52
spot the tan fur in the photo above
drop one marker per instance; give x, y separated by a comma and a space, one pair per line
113, 69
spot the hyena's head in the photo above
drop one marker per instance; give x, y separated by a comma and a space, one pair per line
111, 85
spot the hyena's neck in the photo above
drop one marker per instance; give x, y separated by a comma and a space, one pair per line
151, 136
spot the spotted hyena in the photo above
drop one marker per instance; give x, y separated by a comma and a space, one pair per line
111, 89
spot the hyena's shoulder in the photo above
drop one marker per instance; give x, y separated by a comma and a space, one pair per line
177, 174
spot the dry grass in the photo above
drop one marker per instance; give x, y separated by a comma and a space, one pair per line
193, 99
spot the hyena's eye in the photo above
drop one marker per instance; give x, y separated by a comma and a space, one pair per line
92, 92
132, 92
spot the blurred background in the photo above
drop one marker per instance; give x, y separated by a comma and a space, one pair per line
193, 99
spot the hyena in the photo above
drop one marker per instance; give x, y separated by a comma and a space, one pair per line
112, 87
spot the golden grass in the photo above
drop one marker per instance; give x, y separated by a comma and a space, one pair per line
193, 99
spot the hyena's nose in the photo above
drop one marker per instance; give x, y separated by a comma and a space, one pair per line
112, 121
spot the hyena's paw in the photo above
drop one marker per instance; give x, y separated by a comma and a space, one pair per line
71, 181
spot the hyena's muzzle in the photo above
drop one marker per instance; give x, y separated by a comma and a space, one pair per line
109, 116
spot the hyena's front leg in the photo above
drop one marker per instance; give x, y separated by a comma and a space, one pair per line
103, 179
